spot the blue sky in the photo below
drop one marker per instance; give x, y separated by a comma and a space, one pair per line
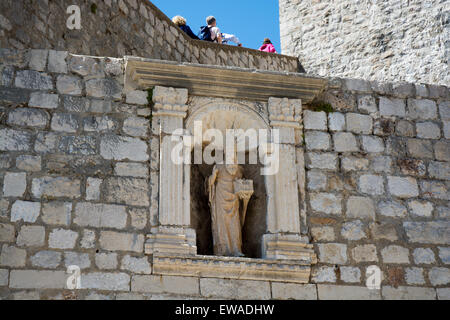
250, 20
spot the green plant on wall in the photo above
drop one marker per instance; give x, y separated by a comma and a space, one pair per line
320, 106
150, 103
94, 8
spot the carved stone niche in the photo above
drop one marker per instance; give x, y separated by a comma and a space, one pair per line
274, 246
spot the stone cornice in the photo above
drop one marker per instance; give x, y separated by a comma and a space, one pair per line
224, 82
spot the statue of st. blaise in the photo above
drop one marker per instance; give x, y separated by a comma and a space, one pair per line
226, 188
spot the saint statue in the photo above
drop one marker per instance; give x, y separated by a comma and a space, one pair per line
226, 189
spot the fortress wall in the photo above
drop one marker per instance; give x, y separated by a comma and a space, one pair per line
77, 154
115, 28
374, 40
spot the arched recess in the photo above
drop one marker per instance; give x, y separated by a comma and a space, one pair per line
224, 116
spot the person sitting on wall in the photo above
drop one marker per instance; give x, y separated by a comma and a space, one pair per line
181, 23
210, 32
226, 38
268, 46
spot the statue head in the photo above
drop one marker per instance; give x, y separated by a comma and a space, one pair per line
232, 168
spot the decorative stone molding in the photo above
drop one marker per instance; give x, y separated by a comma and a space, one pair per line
224, 82
170, 102
285, 112
288, 247
232, 268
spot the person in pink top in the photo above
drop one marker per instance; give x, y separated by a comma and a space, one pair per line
267, 46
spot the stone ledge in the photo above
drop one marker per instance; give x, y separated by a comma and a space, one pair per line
218, 81
232, 268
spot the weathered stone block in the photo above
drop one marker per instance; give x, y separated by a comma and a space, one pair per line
391, 209
365, 253
25, 210
106, 281
353, 230
136, 127
443, 293
122, 148
372, 144
44, 100
38, 59
69, 85
28, 117
136, 265
385, 231
77, 259
78, 145
46, 259
371, 184
15, 140
57, 213
424, 256
128, 169
333, 292
336, 121
421, 209
324, 274
93, 188
106, 261
382, 164
31, 236
291, 291
45, 142
322, 233
403, 187
34, 279
439, 170
131, 191
421, 109
14, 184
137, 97
138, 217
414, 276
345, 142
28, 163
234, 289
100, 215
439, 276
7, 232
350, 274
4, 277
395, 254
88, 239
442, 150
408, 293
444, 254
116, 241
317, 140
103, 88
165, 284
56, 187
316, 180
392, 107
12, 256
357, 85
434, 189
315, 120
335, 253
326, 202
405, 129
62, 239
367, 103
99, 124
28, 79
354, 164
57, 61
65, 122
358, 123
321, 160
428, 130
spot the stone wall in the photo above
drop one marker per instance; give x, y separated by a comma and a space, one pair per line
378, 172
115, 28
379, 40
77, 166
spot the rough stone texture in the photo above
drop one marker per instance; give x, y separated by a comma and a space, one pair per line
371, 184
232, 289
315, 120
335, 253
46, 259
329, 292
12, 256
361, 208
353, 230
57, 213
365, 253
25, 210
436, 232
290, 291
62, 239
350, 274
106, 281
408, 293
116, 241
345, 142
439, 276
136, 265
326, 203
122, 148
351, 42
423, 256
14, 184
395, 254
31, 236
100, 215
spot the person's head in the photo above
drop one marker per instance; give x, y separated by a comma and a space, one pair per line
179, 20
211, 21
267, 41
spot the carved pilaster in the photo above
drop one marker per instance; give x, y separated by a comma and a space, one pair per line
174, 234
283, 239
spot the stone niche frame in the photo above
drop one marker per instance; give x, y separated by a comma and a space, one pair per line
287, 255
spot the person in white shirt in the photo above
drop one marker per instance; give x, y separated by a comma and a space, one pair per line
216, 35
226, 37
